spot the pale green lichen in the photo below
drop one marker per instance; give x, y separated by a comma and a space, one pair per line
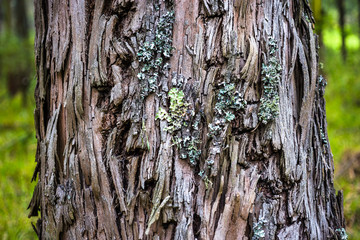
162, 115
189, 148
323, 137
321, 85
205, 178
258, 230
271, 75
228, 101
322, 81
175, 117
342, 232
177, 110
152, 55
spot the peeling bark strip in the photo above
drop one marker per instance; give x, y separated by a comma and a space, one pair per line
191, 119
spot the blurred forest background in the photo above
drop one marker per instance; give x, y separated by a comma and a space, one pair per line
337, 23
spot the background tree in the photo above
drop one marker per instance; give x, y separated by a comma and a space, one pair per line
16, 61
341, 8
185, 119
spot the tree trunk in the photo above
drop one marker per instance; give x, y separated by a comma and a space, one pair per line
318, 16
6, 8
21, 19
341, 8
18, 76
192, 119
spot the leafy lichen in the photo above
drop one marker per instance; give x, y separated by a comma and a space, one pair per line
228, 101
152, 55
271, 75
205, 178
190, 144
342, 233
321, 85
178, 112
323, 137
258, 230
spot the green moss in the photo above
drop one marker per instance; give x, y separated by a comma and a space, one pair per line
271, 75
152, 55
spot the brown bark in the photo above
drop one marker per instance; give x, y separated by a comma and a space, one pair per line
118, 144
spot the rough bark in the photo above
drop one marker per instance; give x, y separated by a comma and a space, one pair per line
225, 139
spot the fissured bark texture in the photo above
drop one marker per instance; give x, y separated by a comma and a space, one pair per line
189, 119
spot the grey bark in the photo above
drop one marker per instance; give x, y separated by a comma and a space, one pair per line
109, 168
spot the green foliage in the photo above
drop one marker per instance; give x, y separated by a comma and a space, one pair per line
17, 140
271, 74
17, 163
343, 111
342, 102
152, 55
15, 55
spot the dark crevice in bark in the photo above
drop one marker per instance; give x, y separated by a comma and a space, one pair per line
196, 225
149, 185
